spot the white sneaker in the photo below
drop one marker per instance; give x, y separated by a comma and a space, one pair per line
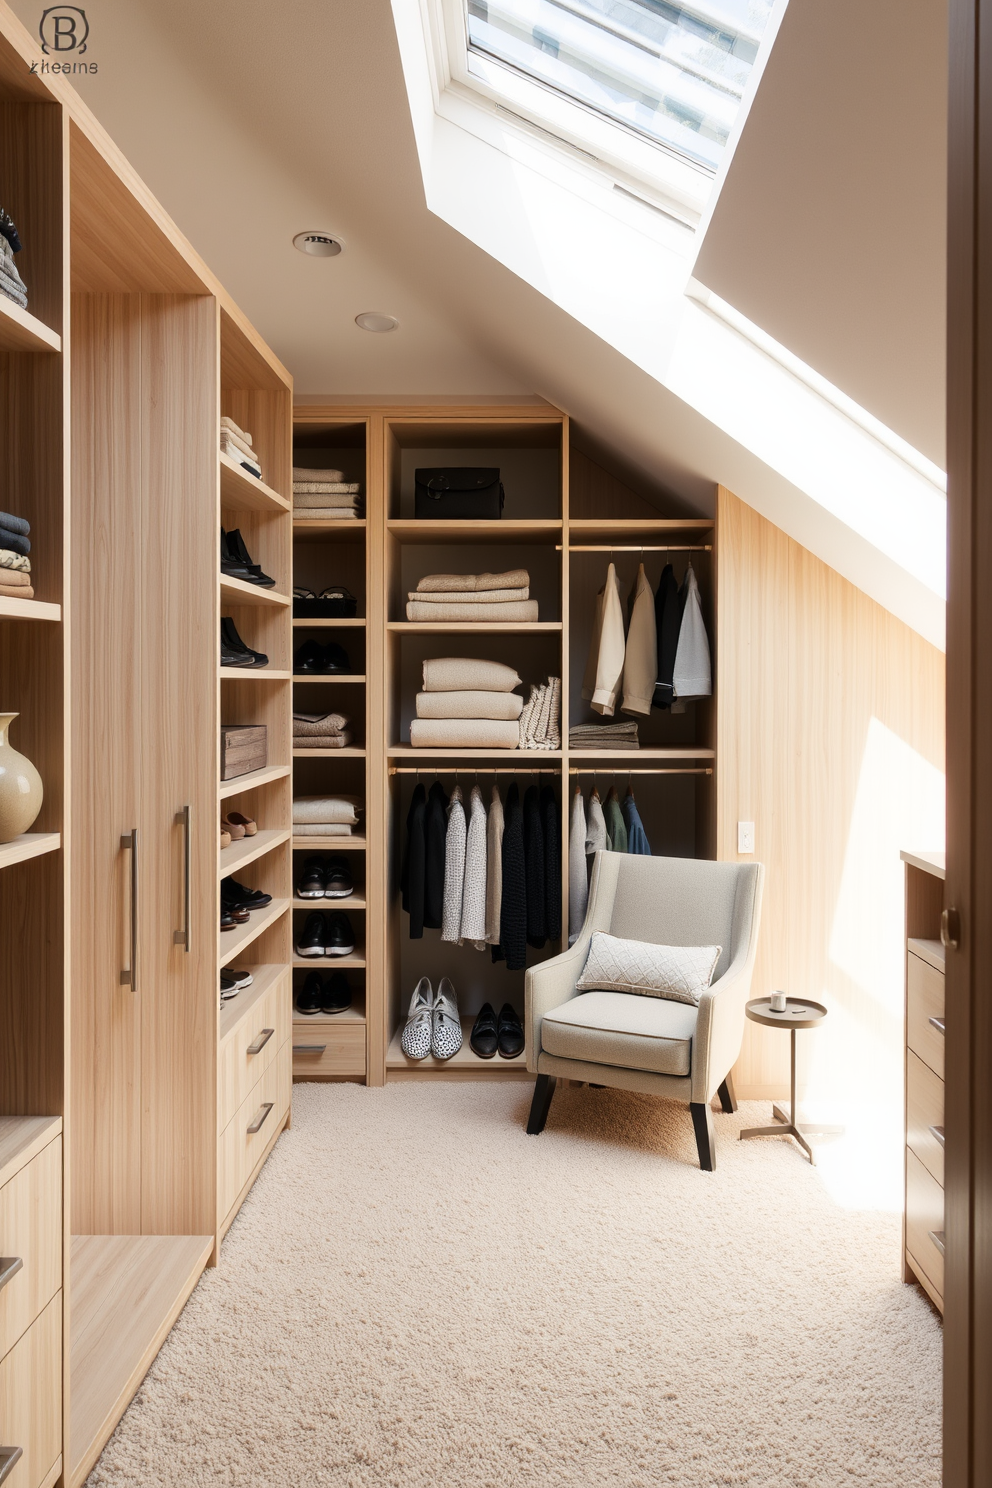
416, 1039
446, 1034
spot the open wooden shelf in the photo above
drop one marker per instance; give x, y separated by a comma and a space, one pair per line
328, 676
22, 331
347, 753
329, 844
253, 779
647, 753
356, 622
511, 757
29, 845
236, 1008
539, 530
234, 943
126, 1291
475, 627
240, 491
583, 528
325, 1022
247, 849
238, 592
464, 1059
330, 963
321, 527
28, 609
270, 674
354, 901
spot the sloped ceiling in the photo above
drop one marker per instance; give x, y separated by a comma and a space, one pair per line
252, 121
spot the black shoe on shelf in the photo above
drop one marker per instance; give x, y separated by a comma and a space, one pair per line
308, 659
231, 566
339, 937
510, 1033
335, 995
335, 658
308, 998
311, 882
312, 936
485, 1039
242, 979
233, 893
240, 554
229, 636
237, 656
338, 882
227, 921
228, 986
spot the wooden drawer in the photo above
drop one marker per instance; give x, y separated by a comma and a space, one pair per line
248, 1051
924, 1114
924, 1218
925, 1000
31, 1398
239, 1148
31, 1231
322, 1046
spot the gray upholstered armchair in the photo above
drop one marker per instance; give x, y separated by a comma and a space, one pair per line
662, 1048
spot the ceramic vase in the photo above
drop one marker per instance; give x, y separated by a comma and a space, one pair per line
21, 790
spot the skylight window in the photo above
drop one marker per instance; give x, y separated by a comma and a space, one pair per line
672, 73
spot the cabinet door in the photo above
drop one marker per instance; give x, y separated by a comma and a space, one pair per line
105, 702
179, 746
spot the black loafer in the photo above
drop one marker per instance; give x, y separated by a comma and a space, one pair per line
308, 997
229, 635
240, 554
308, 659
312, 936
338, 882
510, 1033
485, 1037
244, 898
339, 938
226, 920
335, 658
335, 996
311, 882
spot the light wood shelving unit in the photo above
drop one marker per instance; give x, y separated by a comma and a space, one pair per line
563, 516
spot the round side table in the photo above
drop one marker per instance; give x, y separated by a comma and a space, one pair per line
800, 1012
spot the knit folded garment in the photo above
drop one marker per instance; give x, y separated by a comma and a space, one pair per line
238, 438
322, 829
329, 513
10, 293
303, 499
516, 578
603, 731
324, 809
15, 561
538, 723
233, 428
326, 488
463, 733
12, 578
11, 591
467, 596
318, 723
322, 741
316, 473
505, 705
478, 612
467, 674
236, 450
591, 744
14, 541
11, 523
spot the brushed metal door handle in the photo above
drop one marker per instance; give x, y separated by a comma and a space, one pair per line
937, 1023
937, 1236
129, 977
9, 1458
260, 1042
938, 1132
182, 937
260, 1118
9, 1267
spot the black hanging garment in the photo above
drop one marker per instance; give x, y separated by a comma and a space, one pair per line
537, 920
513, 909
668, 621
435, 828
552, 862
415, 863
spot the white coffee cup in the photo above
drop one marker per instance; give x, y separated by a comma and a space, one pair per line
778, 1002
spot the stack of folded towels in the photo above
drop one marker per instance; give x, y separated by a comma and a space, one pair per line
320, 731
603, 736
467, 704
236, 444
326, 816
458, 597
325, 494
15, 565
539, 721
11, 283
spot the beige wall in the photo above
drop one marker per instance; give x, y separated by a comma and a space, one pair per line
831, 740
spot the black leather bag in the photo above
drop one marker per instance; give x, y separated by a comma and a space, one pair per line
459, 493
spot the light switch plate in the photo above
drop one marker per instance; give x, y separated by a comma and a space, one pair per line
745, 837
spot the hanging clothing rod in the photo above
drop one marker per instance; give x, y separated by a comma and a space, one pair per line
663, 770
638, 548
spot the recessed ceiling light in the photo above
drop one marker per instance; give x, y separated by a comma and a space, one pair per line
375, 320
318, 244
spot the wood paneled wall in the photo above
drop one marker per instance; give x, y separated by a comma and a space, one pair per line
831, 740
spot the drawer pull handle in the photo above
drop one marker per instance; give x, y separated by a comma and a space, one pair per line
309, 1048
950, 929
129, 977
260, 1042
938, 1133
937, 1236
260, 1118
937, 1023
9, 1458
9, 1266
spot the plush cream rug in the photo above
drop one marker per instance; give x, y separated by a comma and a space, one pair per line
418, 1294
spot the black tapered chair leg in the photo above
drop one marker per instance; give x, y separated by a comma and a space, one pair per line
702, 1120
728, 1100
541, 1104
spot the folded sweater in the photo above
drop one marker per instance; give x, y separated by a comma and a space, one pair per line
318, 723
515, 578
15, 524
13, 578
325, 498
316, 473
322, 741
233, 428
468, 596
14, 541
328, 513
468, 674
464, 733
311, 810
14, 561
322, 829
505, 705
326, 488
240, 442
10, 591
480, 614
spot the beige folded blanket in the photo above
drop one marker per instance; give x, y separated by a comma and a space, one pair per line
469, 705
15, 578
234, 429
328, 513
463, 733
17, 561
466, 596
326, 809
324, 498
326, 488
480, 613
316, 473
229, 440
321, 829
12, 591
322, 741
468, 674
318, 723
515, 578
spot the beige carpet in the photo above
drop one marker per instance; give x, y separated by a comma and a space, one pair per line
418, 1294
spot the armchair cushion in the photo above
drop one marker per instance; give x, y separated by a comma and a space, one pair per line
679, 973
641, 1033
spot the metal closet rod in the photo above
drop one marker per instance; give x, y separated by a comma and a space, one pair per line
472, 769
638, 548
663, 770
